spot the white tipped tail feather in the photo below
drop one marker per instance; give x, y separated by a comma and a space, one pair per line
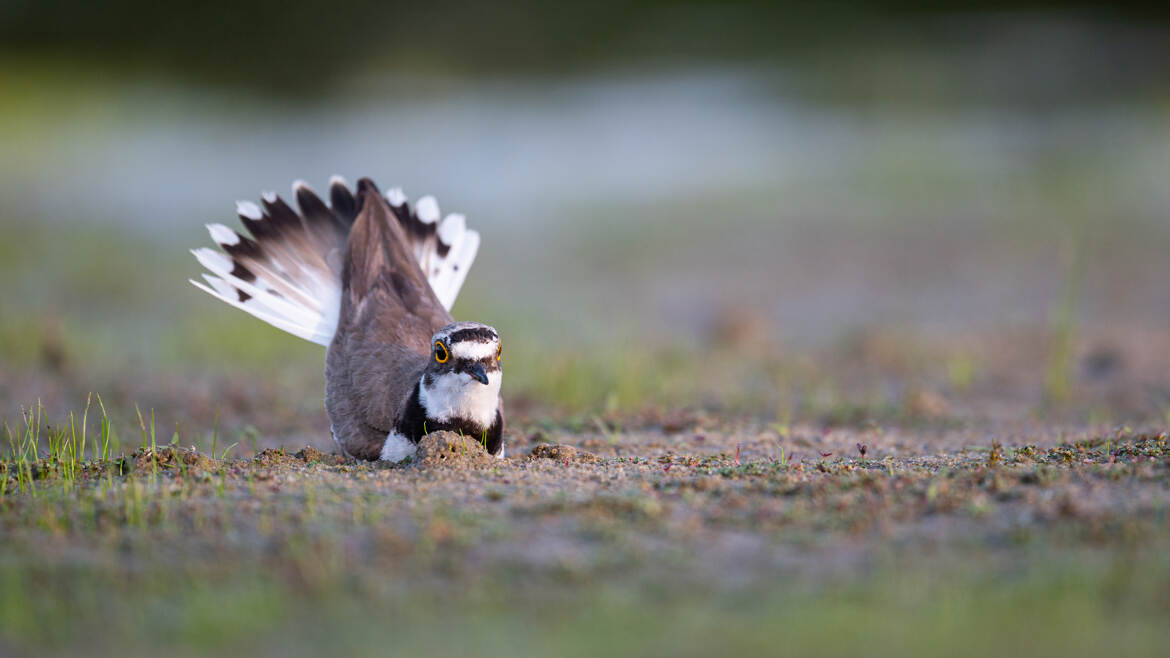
288, 273
445, 249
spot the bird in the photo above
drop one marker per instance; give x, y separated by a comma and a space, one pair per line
373, 280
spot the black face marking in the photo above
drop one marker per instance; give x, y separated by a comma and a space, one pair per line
473, 334
469, 366
455, 365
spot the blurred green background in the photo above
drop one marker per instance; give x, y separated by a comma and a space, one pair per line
678, 200
925, 224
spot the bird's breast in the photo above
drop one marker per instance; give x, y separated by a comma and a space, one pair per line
453, 397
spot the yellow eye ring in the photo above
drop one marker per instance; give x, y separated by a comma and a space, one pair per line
441, 354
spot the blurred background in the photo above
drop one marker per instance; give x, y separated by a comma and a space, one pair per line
874, 212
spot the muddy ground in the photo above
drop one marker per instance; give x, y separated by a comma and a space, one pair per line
968, 456
692, 535
889, 493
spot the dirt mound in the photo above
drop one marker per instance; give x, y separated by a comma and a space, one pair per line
450, 450
166, 459
562, 452
308, 455
311, 455
273, 457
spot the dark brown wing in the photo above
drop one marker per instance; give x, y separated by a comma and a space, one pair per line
388, 315
385, 296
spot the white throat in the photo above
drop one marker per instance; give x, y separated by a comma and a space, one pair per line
458, 396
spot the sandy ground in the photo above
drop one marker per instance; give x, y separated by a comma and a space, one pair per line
728, 488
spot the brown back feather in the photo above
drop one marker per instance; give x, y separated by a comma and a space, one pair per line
388, 315
385, 295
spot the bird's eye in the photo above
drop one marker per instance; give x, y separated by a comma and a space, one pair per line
441, 354
499, 351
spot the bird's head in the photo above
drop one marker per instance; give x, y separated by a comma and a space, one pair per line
462, 378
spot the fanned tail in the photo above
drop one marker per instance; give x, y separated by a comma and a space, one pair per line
288, 273
444, 249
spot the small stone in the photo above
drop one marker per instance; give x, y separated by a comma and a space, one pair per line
562, 452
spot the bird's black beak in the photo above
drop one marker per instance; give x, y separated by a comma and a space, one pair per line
477, 371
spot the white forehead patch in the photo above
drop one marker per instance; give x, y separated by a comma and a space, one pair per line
473, 350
